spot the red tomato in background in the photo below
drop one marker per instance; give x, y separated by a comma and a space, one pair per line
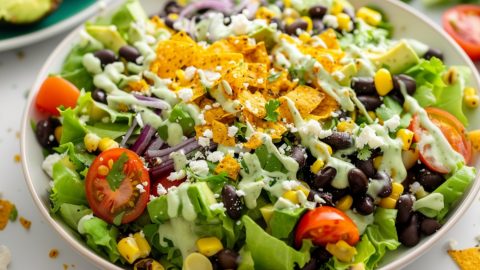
54, 92
462, 22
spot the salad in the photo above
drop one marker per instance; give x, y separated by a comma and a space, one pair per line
258, 135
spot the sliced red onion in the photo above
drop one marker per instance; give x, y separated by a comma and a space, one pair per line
156, 144
161, 170
143, 140
222, 6
187, 146
129, 132
152, 102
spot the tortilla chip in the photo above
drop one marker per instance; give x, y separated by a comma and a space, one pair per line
466, 259
218, 114
220, 134
138, 86
210, 61
306, 98
200, 129
330, 39
173, 55
183, 37
230, 166
256, 75
5, 208
274, 129
253, 142
258, 54
254, 103
325, 108
278, 84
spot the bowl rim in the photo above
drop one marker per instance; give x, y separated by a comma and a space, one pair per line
101, 262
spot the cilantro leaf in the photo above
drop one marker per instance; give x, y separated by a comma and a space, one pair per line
273, 77
271, 107
364, 153
13, 214
115, 175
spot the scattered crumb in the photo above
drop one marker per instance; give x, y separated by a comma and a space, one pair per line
25, 223
452, 244
17, 134
5, 257
53, 253
9, 130
17, 158
6, 208
65, 266
466, 259
20, 54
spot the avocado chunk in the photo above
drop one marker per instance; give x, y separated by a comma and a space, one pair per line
397, 59
202, 198
107, 35
131, 11
265, 34
19, 12
348, 73
283, 222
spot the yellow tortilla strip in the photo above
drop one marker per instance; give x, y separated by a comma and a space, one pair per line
253, 142
466, 259
254, 103
325, 108
5, 208
220, 134
306, 98
173, 55
230, 166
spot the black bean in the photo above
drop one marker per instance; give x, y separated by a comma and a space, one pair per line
317, 26
172, 7
397, 96
429, 180
366, 166
317, 12
433, 53
227, 259
339, 140
279, 23
409, 82
298, 24
169, 21
358, 181
386, 189
405, 208
105, 56
321, 254
311, 265
428, 226
299, 155
324, 177
370, 102
350, 12
45, 132
363, 86
232, 202
410, 234
99, 95
130, 53
364, 205
325, 196
145, 264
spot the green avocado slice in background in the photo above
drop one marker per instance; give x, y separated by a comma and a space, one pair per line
22, 12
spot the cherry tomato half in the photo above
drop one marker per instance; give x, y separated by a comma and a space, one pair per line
325, 225
463, 23
126, 199
54, 92
453, 131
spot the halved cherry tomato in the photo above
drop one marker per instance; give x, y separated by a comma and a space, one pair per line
127, 199
453, 131
463, 23
325, 225
166, 184
54, 92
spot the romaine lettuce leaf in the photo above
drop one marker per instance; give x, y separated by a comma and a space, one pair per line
76, 154
72, 213
73, 130
73, 69
365, 250
67, 187
102, 238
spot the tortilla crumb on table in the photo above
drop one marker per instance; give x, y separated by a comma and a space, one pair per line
6, 207
53, 253
466, 259
17, 158
25, 223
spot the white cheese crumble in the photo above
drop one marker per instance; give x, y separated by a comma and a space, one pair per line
50, 160
204, 141
232, 130
190, 73
176, 175
215, 156
313, 128
392, 123
161, 190
208, 133
290, 184
217, 206
239, 24
185, 94
5, 257
140, 188
199, 167
368, 137
330, 21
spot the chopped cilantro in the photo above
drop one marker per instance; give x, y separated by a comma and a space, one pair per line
116, 175
271, 107
13, 214
273, 77
118, 218
364, 153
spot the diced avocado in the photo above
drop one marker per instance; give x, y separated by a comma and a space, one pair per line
283, 222
26, 11
246, 262
158, 209
265, 34
201, 197
348, 72
130, 12
179, 115
397, 59
107, 35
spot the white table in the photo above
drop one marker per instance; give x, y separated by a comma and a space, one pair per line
30, 249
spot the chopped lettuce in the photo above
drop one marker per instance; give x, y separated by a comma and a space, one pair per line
365, 250
269, 252
268, 161
102, 238
283, 222
71, 214
73, 69
67, 187
73, 130
389, 108
430, 205
77, 154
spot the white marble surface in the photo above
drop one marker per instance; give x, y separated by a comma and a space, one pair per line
30, 249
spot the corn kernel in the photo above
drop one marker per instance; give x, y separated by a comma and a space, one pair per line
91, 141
346, 126
370, 16
474, 137
337, 7
149, 264
142, 244
107, 143
305, 37
406, 136
305, 190
265, 14
196, 261
344, 21
58, 133
309, 22
209, 246
289, 20
388, 203
397, 190
383, 82
287, 3
329, 149
267, 212
451, 76
180, 74
342, 251
103, 170
344, 203
470, 97
317, 166
377, 161
128, 248
292, 196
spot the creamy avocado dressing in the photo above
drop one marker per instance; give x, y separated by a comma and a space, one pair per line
220, 95
181, 235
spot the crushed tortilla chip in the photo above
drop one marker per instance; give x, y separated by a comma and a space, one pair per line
173, 55
220, 134
274, 129
254, 103
6, 208
200, 129
330, 39
183, 37
306, 99
210, 61
253, 142
218, 114
25, 223
230, 166
278, 84
325, 108
138, 86
256, 75
466, 259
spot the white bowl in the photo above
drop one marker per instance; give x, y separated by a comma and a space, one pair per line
407, 22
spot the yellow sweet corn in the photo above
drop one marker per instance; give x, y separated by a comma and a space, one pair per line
305, 37
474, 137
346, 126
287, 3
197, 261
291, 195
391, 201
344, 203
337, 7
128, 248
180, 74
309, 22
406, 136
383, 82
91, 141
317, 166
370, 16
265, 14
344, 21
58, 133
304, 189
342, 251
267, 212
107, 143
470, 97
142, 244
149, 263
209, 246
377, 161
388, 203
